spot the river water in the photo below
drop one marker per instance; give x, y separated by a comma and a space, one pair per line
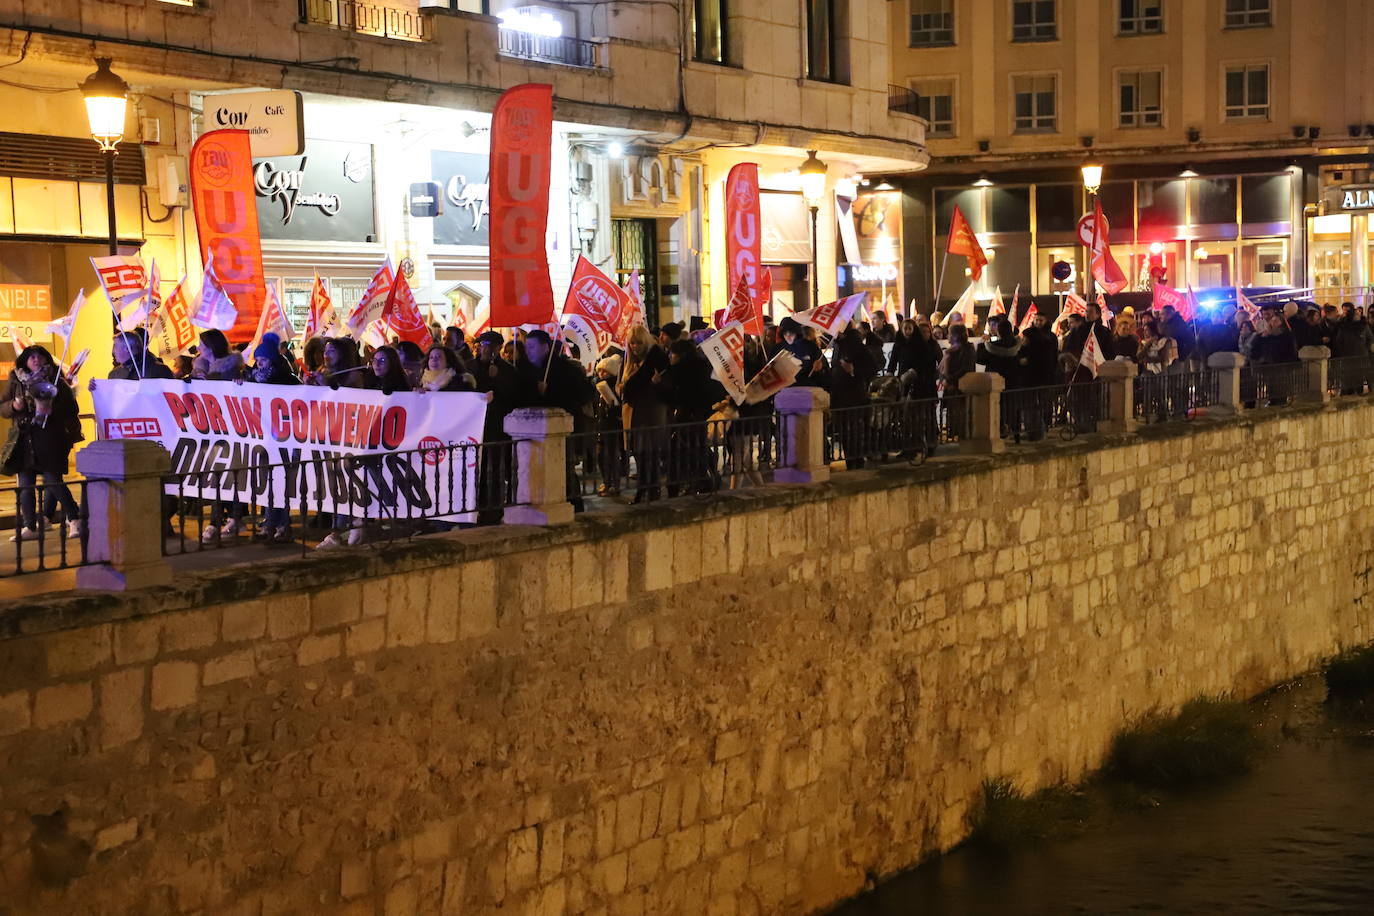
1294, 835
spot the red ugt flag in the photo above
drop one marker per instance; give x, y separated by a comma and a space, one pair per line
963, 241
521, 157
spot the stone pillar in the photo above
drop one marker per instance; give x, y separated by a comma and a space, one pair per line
1315, 363
984, 392
123, 514
1226, 392
541, 448
801, 432
1119, 377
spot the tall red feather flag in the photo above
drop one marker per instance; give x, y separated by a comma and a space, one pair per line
521, 159
963, 241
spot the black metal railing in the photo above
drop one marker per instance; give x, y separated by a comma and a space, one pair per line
1350, 375
341, 499
1272, 385
403, 23
549, 49
901, 430
1029, 414
49, 526
903, 100
1173, 396
677, 459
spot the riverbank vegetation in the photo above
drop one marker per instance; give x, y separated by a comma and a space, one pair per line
1350, 681
1004, 816
1210, 738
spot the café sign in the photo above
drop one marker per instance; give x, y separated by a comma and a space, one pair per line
274, 119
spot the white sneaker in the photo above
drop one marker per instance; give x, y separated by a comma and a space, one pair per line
330, 542
73, 529
209, 534
229, 528
355, 536
24, 534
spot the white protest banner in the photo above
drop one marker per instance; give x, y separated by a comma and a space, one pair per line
724, 350
781, 371
276, 444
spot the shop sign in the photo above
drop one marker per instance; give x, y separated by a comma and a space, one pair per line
24, 303
463, 219
325, 195
274, 119
426, 199
786, 228
1354, 199
875, 273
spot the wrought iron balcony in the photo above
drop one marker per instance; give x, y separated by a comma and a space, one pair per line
404, 23
903, 100
573, 52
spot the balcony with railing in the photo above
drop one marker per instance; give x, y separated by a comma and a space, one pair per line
400, 21
903, 100
550, 49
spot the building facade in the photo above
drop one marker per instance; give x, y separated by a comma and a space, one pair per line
653, 103
1229, 132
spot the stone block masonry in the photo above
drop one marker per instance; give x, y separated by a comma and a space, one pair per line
746, 706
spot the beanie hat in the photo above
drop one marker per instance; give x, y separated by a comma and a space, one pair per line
610, 365
493, 338
269, 348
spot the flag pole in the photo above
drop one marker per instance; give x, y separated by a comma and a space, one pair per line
119, 327
939, 281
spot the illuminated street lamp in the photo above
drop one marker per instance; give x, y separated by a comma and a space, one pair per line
812, 174
107, 98
1092, 176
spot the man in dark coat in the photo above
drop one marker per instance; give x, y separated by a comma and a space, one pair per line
1171, 324
497, 379
548, 379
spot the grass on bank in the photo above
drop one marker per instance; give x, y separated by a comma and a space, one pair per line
1210, 738
1350, 680
1005, 816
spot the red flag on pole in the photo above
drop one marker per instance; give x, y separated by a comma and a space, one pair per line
593, 309
743, 238
321, 319
402, 315
1031, 312
1164, 295
374, 300
226, 206
1104, 268
963, 241
744, 308
521, 157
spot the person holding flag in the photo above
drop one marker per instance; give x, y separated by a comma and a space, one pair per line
44, 428
1077, 341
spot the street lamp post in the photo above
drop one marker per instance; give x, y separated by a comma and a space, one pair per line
812, 173
1092, 181
107, 98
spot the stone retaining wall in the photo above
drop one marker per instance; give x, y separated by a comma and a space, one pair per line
754, 704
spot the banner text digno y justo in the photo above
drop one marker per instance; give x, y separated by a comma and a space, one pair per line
341, 451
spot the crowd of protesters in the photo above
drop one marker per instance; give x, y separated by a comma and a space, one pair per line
645, 403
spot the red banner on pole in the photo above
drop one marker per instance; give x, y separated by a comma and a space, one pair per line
225, 203
743, 240
521, 155
593, 309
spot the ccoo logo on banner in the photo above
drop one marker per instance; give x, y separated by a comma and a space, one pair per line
357, 453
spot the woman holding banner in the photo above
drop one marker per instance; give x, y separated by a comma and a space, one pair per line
45, 427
